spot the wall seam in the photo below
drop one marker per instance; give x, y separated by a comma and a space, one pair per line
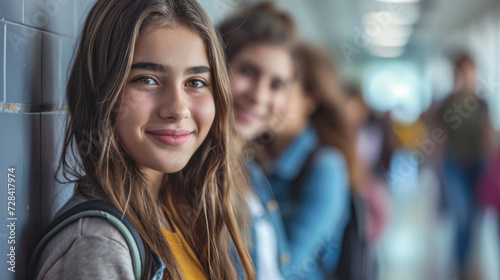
22, 15
38, 29
41, 142
4, 62
22, 108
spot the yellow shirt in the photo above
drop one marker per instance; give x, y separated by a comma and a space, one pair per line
190, 265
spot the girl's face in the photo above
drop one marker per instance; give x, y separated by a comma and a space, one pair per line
260, 78
168, 106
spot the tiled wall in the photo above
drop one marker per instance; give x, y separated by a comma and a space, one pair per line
37, 39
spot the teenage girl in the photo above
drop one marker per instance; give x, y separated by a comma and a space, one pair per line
149, 131
259, 42
308, 166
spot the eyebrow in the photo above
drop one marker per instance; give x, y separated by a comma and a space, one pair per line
155, 67
256, 67
197, 70
252, 64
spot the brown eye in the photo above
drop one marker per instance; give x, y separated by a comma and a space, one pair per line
196, 83
276, 85
145, 80
247, 71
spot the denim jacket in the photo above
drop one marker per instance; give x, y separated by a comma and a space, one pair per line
270, 216
309, 226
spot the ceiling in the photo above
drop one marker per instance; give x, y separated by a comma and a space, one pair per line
339, 23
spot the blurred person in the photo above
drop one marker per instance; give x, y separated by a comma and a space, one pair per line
465, 118
369, 199
489, 186
259, 46
309, 164
368, 134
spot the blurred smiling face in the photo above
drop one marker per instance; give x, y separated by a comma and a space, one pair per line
168, 106
260, 80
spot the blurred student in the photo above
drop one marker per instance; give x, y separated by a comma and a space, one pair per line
469, 136
259, 42
369, 140
307, 162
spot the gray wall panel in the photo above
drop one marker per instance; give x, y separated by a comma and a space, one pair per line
2, 61
51, 15
36, 46
12, 10
23, 60
81, 9
54, 194
57, 53
20, 144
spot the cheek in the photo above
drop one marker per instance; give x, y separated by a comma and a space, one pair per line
239, 84
278, 104
132, 105
205, 110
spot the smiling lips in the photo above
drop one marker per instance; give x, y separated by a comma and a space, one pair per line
246, 116
170, 136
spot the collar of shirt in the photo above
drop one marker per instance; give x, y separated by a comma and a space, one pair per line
288, 164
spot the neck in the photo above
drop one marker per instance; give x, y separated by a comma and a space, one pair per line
283, 139
157, 181
238, 145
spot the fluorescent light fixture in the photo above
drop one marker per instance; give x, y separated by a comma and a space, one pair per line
406, 15
387, 52
397, 31
398, 1
388, 36
386, 41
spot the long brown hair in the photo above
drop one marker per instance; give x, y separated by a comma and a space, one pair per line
320, 78
205, 188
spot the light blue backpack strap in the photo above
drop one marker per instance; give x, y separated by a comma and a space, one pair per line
107, 211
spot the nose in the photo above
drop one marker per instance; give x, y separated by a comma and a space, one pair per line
260, 92
174, 104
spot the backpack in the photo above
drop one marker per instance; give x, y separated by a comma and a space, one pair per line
355, 260
95, 208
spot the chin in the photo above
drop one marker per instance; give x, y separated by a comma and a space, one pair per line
246, 133
174, 169
169, 168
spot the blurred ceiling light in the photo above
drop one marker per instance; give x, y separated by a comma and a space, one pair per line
386, 41
406, 15
387, 52
400, 90
374, 29
398, 31
406, 20
398, 1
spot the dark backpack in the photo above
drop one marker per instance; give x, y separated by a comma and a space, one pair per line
95, 208
355, 261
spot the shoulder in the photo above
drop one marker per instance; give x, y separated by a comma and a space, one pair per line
327, 169
90, 247
327, 157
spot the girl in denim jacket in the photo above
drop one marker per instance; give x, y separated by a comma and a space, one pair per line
308, 162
